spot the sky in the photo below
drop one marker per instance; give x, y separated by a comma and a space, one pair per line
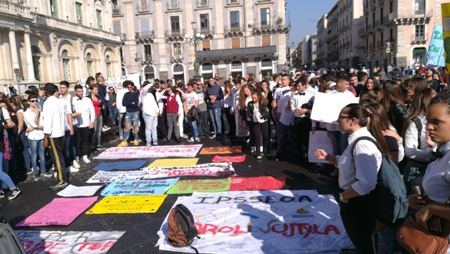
304, 15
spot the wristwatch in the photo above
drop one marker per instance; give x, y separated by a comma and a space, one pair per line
342, 199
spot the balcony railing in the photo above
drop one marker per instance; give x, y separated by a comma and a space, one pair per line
175, 35
207, 30
145, 36
15, 9
269, 28
415, 39
411, 16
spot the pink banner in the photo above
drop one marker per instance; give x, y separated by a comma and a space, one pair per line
257, 183
235, 159
60, 211
208, 169
139, 152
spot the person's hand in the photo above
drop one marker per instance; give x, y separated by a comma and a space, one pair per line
430, 142
302, 110
29, 129
45, 142
416, 202
320, 154
392, 133
91, 125
71, 132
422, 216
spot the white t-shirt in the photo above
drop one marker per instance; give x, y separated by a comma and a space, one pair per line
287, 116
68, 105
28, 117
190, 99
6, 115
279, 94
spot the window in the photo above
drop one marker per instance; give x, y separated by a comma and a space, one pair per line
115, 7
234, 19
143, 5
420, 32
99, 19
265, 40
235, 43
78, 7
266, 68
207, 71
204, 22
149, 73
53, 8
178, 72
175, 24
66, 64
177, 49
206, 44
108, 66
381, 15
148, 52
36, 61
391, 6
419, 7
89, 63
236, 69
265, 16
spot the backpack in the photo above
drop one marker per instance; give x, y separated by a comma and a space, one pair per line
9, 242
391, 201
182, 230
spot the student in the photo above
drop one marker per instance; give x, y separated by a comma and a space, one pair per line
172, 103
259, 114
191, 111
131, 102
69, 138
358, 168
214, 97
97, 131
84, 113
150, 113
54, 128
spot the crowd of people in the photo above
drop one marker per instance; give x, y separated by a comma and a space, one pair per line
407, 115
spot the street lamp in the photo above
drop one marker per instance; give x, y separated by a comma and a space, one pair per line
195, 38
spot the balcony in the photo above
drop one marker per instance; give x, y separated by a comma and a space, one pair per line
234, 31
412, 18
233, 2
175, 35
173, 5
259, 28
16, 10
176, 58
145, 37
147, 59
207, 30
202, 4
56, 24
116, 12
418, 40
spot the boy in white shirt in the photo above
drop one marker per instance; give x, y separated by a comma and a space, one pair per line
84, 114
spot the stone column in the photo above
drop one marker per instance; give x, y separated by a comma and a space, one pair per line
29, 57
13, 52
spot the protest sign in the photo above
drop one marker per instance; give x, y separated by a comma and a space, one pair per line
60, 211
445, 9
327, 106
221, 150
200, 185
68, 242
109, 176
235, 159
128, 204
435, 54
120, 165
137, 152
299, 221
257, 183
138, 187
208, 169
79, 191
173, 162
319, 140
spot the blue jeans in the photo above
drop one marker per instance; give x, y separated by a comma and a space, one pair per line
339, 141
151, 129
132, 118
6, 181
216, 118
25, 150
113, 113
194, 129
37, 149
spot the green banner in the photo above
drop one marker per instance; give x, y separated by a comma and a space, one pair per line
200, 185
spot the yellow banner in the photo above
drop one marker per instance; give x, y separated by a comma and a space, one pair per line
445, 7
128, 204
164, 163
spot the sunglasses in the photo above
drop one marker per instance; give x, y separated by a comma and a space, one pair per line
32, 100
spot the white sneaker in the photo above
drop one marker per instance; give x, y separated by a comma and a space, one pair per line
184, 136
75, 164
197, 139
86, 159
191, 140
105, 128
73, 169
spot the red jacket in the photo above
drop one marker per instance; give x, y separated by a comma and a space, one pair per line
172, 104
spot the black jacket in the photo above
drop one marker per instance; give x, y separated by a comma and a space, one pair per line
397, 114
262, 109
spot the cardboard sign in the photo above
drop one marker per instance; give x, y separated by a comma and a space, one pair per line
163, 163
138, 187
128, 204
79, 191
257, 222
138, 152
221, 150
208, 169
110, 176
234, 159
60, 211
257, 183
327, 106
68, 242
200, 185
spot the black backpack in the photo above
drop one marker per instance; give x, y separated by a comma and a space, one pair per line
9, 242
391, 200
182, 230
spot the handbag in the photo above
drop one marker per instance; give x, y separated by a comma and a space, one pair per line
419, 241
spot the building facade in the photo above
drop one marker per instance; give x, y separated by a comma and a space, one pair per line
165, 39
322, 36
50, 41
398, 32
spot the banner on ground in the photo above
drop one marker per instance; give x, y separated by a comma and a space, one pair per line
235, 159
138, 187
300, 221
138, 152
257, 183
60, 211
79, 191
120, 165
208, 169
110, 176
221, 150
200, 185
173, 162
435, 54
68, 242
319, 140
128, 204
327, 106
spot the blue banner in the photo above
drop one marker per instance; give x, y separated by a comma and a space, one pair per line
138, 187
435, 55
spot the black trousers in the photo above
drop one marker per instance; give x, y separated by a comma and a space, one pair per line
56, 152
231, 122
83, 140
162, 125
261, 131
359, 221
302, 127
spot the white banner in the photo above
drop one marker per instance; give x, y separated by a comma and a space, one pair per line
139, 152
208, 169
327, 106
109, 176
79, 191
300, 221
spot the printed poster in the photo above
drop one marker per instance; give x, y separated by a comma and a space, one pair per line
164, 163
128, 204
221, 150
234, 159
200, 185
110, 176
208, 169
142, 152
138, 187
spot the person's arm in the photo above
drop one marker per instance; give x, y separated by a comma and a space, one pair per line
91, 114
323, 155
220, 96
20, 122
126, 101
412, 146
48, 118
293, 104
31, 122
367, 159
